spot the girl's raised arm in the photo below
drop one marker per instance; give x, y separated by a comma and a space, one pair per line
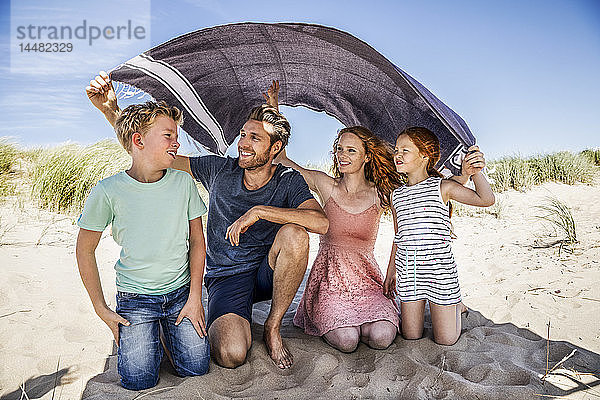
482, 196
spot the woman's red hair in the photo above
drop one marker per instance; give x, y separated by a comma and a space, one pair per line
379, 168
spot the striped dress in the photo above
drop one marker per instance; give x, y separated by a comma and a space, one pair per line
425, 267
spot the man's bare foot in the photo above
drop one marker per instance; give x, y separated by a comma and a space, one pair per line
280, 355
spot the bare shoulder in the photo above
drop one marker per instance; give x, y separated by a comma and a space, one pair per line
449, 188
322, 183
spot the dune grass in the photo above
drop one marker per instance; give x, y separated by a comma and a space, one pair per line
8, 158
559, 215
63, 176
521, 173
562, 167
511, 173
593, 155
8, 155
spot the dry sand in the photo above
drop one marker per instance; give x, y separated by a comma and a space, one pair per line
52, 343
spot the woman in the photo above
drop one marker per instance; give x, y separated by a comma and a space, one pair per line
343, 300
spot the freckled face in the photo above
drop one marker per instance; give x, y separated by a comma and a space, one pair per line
407, 156
350, 154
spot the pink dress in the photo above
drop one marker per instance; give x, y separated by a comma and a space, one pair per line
345, 285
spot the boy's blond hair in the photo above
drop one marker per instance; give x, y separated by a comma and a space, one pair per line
140, 117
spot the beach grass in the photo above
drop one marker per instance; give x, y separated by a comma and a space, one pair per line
593, 155
8, 155
7, 187
559, 215
63, 176
511, 173
322, 166
564, 167
521, 173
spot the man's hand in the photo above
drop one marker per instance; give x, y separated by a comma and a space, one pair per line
272, 95
389, 286
241, 225
101, 93
194, 311
473, 162
112, 319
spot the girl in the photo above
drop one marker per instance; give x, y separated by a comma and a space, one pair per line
421, 260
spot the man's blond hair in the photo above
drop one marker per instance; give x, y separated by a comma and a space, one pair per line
140, 117
269, 114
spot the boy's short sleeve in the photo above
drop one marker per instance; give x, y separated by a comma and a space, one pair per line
298, 190
97, 212
196, 207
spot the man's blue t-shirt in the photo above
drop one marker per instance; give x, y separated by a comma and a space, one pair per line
229, 199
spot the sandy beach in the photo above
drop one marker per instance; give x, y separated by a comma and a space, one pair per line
52, 345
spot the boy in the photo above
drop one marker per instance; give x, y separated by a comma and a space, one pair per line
155, 214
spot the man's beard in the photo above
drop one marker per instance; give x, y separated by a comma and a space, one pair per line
259, 161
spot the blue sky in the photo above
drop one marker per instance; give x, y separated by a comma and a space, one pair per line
523, 74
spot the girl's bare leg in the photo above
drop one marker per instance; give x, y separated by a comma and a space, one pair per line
413, 317
446, 323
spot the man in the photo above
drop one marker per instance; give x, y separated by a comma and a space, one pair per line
259, 215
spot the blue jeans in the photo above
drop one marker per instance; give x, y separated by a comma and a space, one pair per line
140, 351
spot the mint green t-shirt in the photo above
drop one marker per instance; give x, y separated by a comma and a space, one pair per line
150, 221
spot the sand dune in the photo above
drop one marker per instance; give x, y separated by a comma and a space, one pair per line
513, 286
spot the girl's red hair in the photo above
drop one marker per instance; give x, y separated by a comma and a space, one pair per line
429, 146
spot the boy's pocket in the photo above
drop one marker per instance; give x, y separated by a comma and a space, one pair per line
127, 295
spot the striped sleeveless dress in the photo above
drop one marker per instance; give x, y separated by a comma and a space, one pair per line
425, 267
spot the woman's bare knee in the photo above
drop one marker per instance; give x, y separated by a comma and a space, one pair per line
346, 346
343, 339
382, 338
379, 335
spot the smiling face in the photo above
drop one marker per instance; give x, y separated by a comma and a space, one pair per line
254, 147
350, 153
407, 157
159, 145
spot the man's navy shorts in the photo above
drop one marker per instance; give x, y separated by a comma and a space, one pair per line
237, 293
